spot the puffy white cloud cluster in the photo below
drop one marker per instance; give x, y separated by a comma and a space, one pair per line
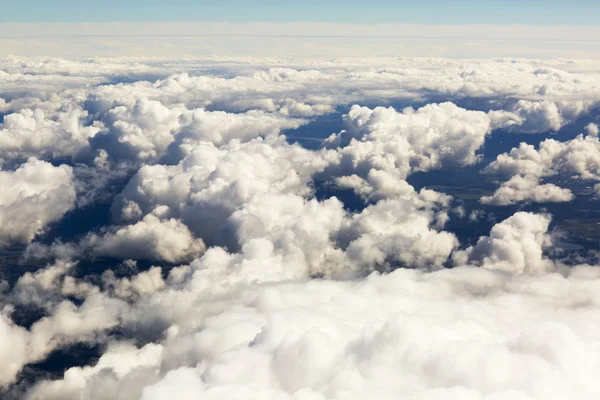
67, 324
259, 287
397, 233
142, 121
592, 129
578, 159
466, 332
531, 117
49, 286
533, 98
151, 238
13, 349
31, 132
212, 182
33, 196
382, 146
515, 245
253, 195
148, 129
527, 188
530, 95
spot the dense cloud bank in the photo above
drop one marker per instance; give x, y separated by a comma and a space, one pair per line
229, 274
303, 39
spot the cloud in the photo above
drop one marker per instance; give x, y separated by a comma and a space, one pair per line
251, 195
527, 188
48, 286
257, 283
153, 238
67, 324
150, 239
399, 233
211, 182
304, 339
36, 194
540, 116
578, 158
143, 284
12, 349
530, 117
298, 39
32, 133
592, 129
515, 245
383, 146
232, 324
146, 130
61, 109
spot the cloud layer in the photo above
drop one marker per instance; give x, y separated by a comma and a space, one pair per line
34, 195
298, 39
235, 263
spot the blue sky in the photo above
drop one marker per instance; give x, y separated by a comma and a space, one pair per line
575, 12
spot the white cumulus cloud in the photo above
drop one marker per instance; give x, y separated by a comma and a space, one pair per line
33, 196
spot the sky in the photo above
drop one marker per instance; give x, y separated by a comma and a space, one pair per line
530, 12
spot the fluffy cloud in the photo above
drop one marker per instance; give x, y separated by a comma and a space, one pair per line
13, 348
208, 185
54, 107
432, 134
235, 324
33, 133
399, 232
151, 239
49, 286
527, 188
34, 195
515, 245
67, 324
530, 117
252, 195
578, 158
460, 333
145, 130
592, 129
383, 146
